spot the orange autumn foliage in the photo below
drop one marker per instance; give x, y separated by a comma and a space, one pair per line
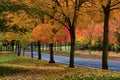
48, 33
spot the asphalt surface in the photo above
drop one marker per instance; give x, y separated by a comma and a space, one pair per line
89, 63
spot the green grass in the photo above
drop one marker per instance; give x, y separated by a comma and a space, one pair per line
13, 68
8, 59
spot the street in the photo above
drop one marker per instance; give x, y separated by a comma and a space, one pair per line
89, 63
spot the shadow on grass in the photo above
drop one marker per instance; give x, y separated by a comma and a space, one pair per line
6, 71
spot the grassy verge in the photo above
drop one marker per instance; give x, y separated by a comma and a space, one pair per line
25, 68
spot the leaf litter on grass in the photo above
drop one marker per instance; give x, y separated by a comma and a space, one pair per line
25, 68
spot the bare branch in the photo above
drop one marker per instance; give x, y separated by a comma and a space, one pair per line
114, 9
118, 2
57, 2
61, 22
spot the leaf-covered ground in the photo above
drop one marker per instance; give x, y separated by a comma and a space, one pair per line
25, 68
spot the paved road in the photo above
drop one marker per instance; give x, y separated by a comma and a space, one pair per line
113, 65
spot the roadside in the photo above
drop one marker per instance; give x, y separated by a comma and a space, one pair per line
95, 55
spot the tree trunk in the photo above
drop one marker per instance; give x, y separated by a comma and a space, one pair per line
89, 45
18, 47
31, 49
105, 38
90, 49
51, 53
12, 45
39, 50
72, 37
12, 48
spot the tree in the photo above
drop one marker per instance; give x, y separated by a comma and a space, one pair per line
36, 37
68, 12
107, 6
50, 34
64, 12
44, 32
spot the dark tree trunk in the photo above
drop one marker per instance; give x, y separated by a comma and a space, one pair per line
12, 45
39, 50
12, 48
51, 53
18, 47
31, 49
89, 46
72, 37
105, 38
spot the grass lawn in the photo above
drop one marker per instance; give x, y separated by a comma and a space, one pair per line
25, 68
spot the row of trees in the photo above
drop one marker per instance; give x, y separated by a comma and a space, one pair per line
62, 14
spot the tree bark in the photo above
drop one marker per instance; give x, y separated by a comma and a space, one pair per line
39, 50
89, 45
72, 37
18, 47
12, 45
51, 53
31, 49
105, 38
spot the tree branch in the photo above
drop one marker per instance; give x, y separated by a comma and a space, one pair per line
57, 2
114, 9
118, 2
